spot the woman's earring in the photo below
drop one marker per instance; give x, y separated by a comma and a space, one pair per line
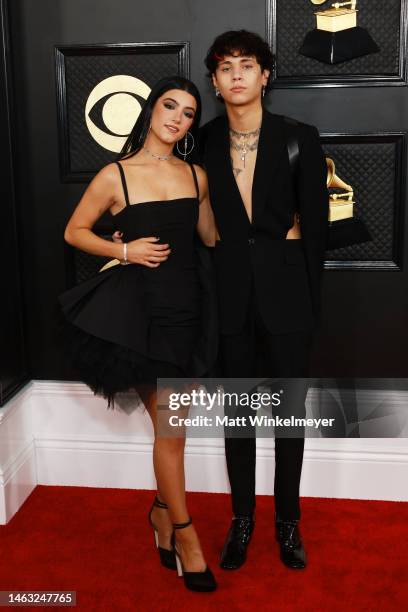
217, 93
263, 90
185, 152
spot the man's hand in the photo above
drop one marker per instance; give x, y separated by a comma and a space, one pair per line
144, 251
117, 237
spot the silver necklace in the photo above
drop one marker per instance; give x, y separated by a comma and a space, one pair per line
159, 157
244, 147
237, 133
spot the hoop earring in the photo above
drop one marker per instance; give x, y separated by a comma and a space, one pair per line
185, 152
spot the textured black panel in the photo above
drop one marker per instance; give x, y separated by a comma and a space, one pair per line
86, 265
371, 166
292, 19
82, 75
80, 265
79, 70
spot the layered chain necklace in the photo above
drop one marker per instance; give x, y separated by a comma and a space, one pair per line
243, 143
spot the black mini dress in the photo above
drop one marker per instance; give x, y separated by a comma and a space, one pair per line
131, 324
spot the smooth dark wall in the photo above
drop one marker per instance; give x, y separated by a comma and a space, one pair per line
13, 372
364, 329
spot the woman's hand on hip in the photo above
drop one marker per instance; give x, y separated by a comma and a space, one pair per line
147, 252
144, 251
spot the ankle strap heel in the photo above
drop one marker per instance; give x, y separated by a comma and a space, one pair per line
159, 504
194, 581
182, 525
167, 557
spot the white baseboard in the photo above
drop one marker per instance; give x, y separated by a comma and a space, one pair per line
58, 433
17, 454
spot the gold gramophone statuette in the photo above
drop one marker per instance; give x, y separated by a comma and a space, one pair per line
337, 18
337, 37
340, 204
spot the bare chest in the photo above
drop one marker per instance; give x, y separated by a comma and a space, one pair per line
244, 177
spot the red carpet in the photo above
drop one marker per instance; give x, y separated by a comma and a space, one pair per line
96, 541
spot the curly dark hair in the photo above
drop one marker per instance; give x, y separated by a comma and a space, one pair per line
240, 42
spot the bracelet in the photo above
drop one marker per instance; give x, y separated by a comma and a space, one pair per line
125, 259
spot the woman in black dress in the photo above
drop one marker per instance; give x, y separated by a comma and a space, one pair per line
136, 322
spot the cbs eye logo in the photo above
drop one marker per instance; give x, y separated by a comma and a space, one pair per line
112, 109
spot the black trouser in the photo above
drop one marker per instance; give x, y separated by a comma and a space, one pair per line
255, 352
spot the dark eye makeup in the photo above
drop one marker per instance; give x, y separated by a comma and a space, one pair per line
171, 105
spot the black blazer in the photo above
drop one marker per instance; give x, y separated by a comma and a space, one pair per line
255, 257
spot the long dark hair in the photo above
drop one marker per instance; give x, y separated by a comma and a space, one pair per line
137, 137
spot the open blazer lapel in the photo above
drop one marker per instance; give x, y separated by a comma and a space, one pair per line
271, 147
218, 164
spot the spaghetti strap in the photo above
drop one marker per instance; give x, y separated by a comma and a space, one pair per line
195, 180
122, 176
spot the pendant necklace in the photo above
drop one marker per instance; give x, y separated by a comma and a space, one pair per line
245, 146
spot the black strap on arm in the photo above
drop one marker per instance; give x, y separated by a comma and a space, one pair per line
293, 145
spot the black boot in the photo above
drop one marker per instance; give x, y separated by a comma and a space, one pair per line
235, 548
292, 552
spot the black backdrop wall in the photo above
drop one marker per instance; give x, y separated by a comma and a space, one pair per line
12, 354
364, 330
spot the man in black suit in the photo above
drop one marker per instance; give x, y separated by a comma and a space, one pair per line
269, 259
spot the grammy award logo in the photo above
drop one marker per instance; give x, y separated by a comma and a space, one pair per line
337, 37
112, 109
340, 204
344, 228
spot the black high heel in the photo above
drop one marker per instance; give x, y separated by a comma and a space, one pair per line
167, 557
195, 581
